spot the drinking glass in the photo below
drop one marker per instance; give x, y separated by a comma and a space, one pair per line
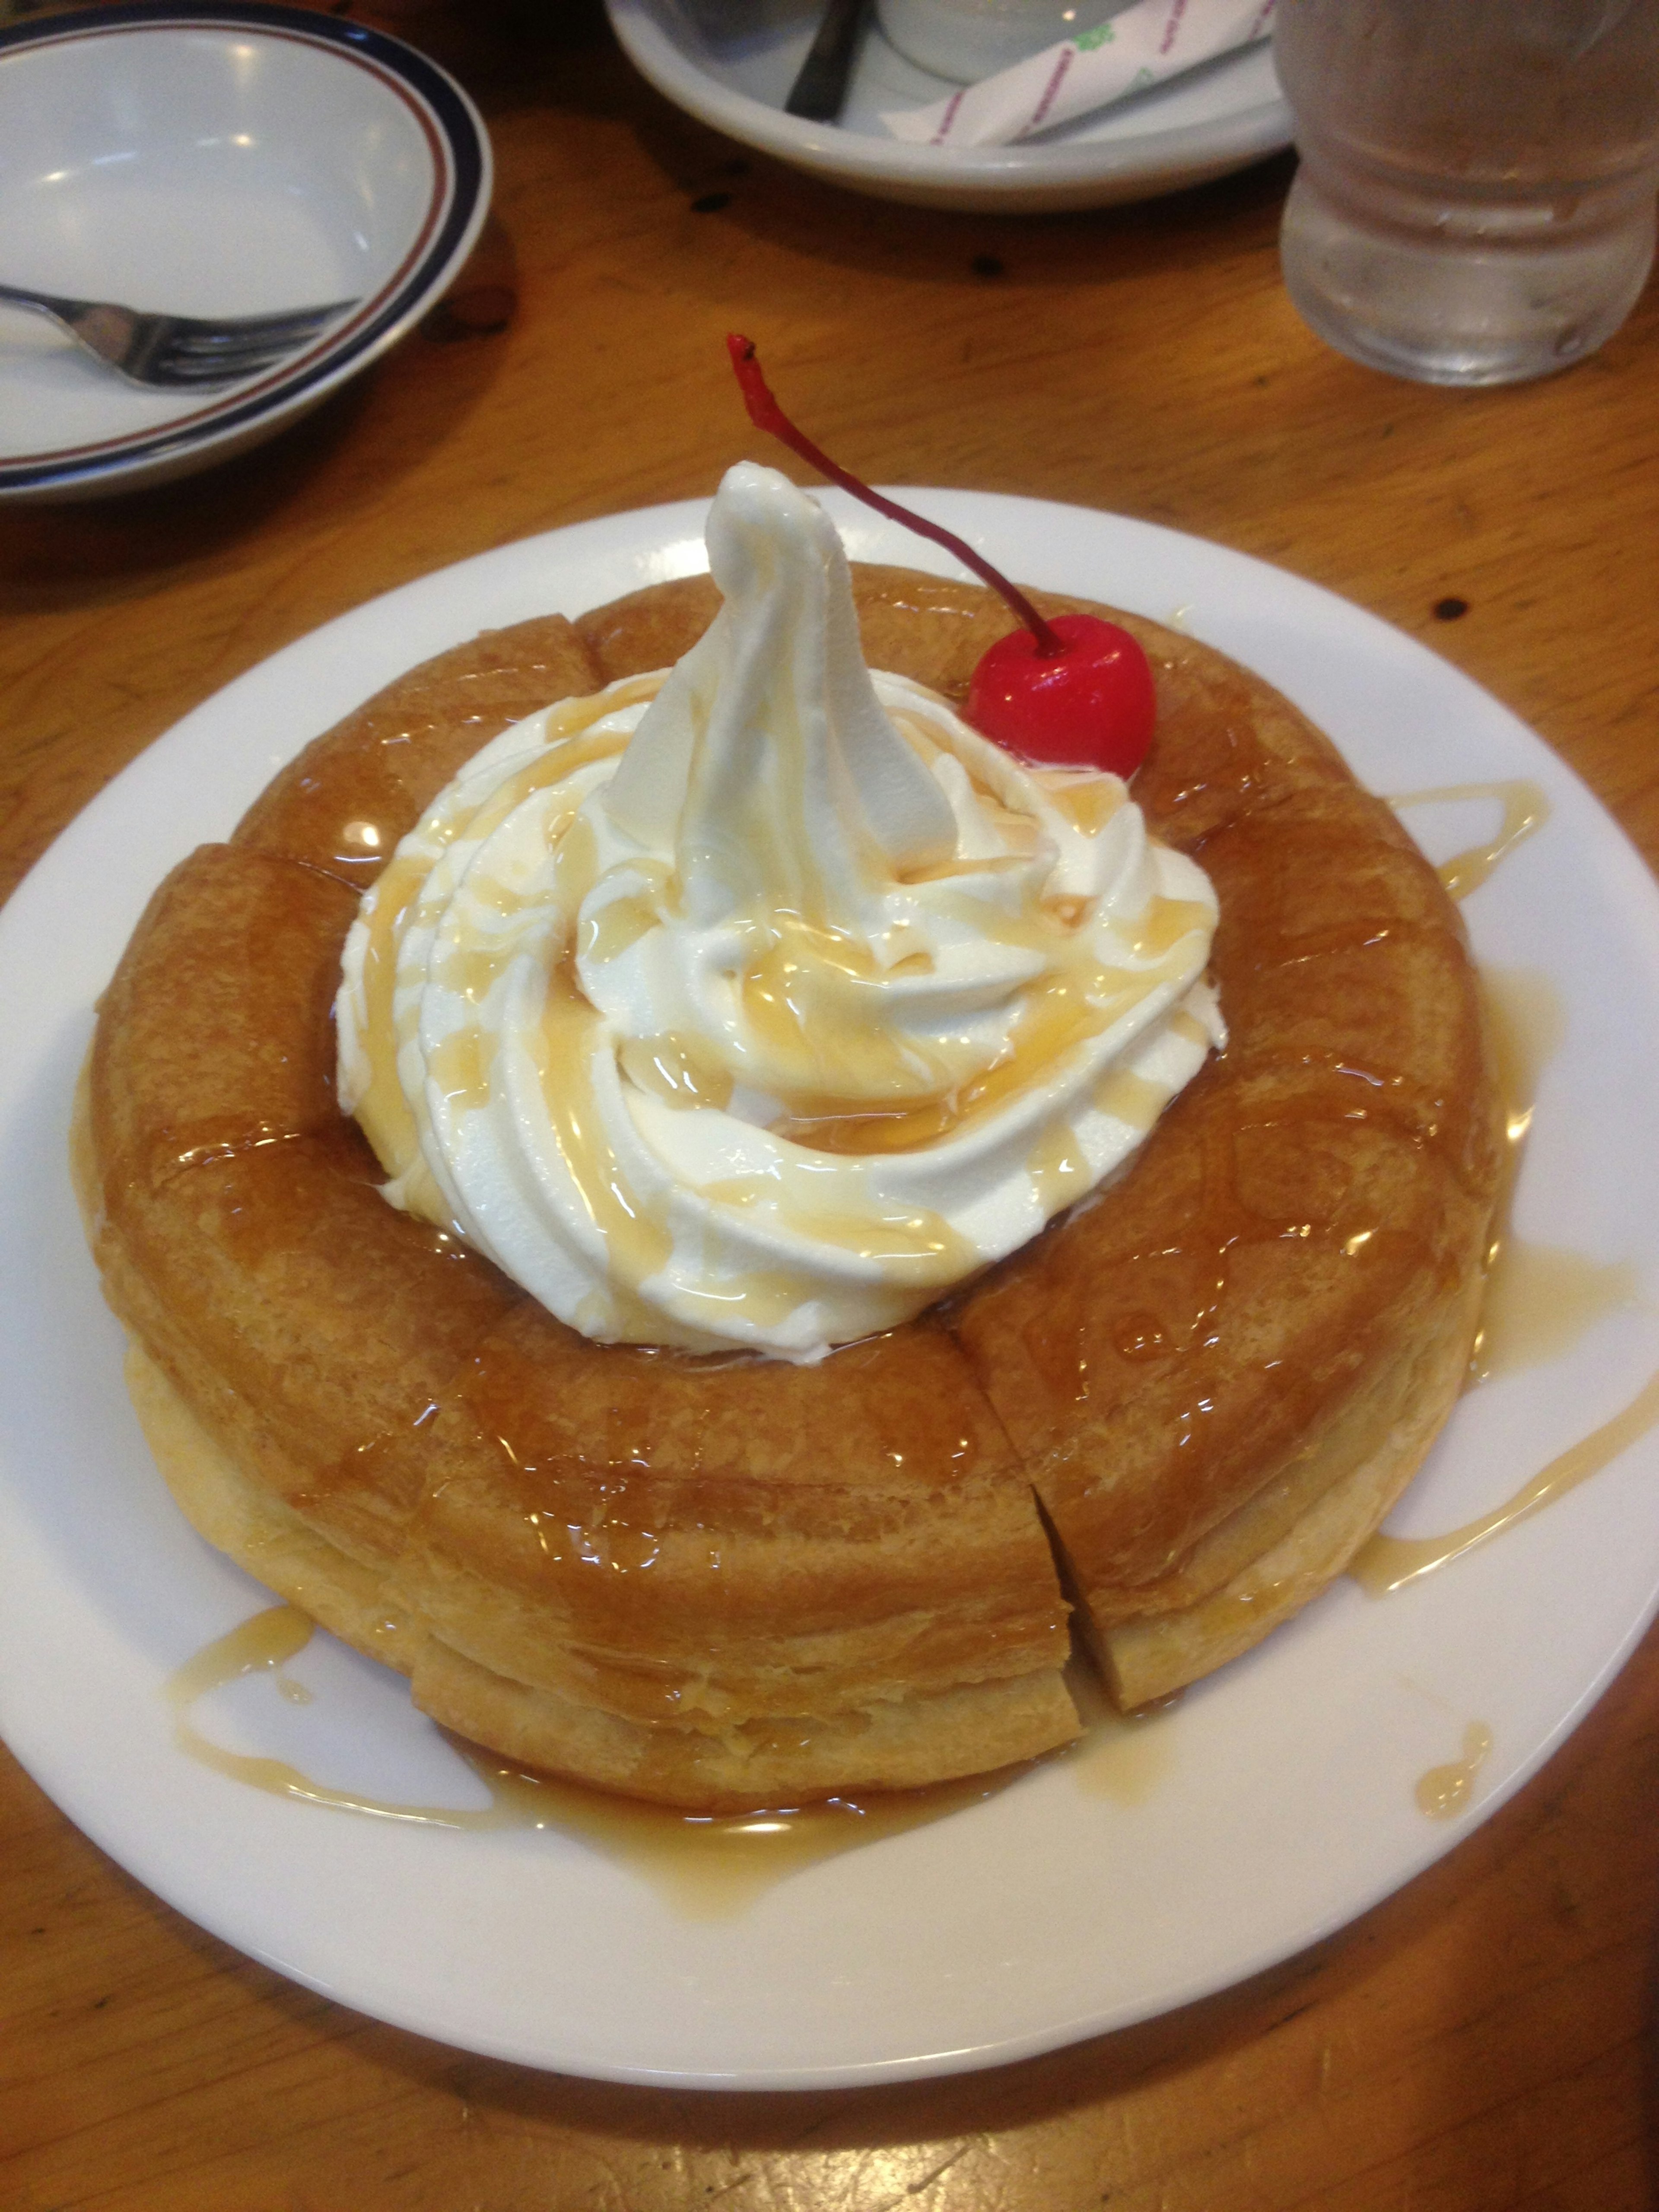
1475, 199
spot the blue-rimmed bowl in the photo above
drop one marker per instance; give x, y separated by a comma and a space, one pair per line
215, 160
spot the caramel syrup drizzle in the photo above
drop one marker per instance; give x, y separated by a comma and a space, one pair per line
1444, 1791
1568, 1291
1540, 1299
712, 1867
1388, 1563
1526, 808
707, 1867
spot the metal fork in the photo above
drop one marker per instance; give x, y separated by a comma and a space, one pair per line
178, 349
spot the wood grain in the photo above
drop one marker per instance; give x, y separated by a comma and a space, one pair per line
1482, 2040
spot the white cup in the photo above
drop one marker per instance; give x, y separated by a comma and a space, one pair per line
964, 40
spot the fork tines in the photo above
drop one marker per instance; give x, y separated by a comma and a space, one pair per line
182, 349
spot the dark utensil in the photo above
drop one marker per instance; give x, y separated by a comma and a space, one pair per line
177, 350
818, 92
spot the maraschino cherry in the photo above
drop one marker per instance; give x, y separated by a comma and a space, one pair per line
1071, 692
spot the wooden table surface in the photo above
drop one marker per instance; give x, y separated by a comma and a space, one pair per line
1483, 2039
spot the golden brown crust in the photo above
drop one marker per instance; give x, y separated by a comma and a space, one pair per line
706, 1580
215, 1028
778, 1761
705, 1544
1344, 1482
342, 804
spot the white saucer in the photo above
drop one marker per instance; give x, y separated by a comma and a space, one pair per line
733, 67
1276, 1802
220, 161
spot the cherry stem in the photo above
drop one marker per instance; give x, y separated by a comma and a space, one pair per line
765, 414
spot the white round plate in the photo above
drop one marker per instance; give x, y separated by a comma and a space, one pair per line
1281, 1793
734, 69
217, 161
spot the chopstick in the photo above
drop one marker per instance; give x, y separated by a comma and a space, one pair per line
820, 89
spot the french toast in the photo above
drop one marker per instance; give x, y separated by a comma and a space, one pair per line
727, 1582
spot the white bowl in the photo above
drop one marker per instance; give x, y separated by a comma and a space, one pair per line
733, 67
212, 161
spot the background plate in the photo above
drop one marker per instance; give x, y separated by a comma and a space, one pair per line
734, 68
1273, 1805
215, 160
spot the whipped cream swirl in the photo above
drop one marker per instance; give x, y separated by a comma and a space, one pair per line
759, 1001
